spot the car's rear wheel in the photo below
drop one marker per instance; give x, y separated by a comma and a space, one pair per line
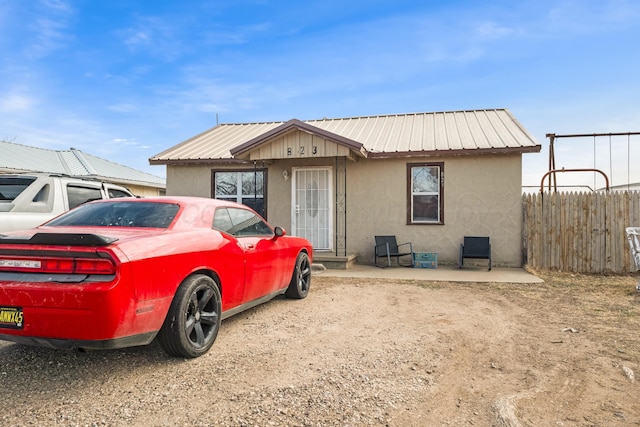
193, 319
301, 278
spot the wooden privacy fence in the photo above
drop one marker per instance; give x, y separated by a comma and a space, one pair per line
579, 232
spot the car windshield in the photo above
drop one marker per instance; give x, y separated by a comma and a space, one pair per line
11, 187
120, 214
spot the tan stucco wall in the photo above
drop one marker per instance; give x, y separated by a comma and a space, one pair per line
189, 180
143, 191
482, 196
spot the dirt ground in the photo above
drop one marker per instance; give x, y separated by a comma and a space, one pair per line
362, 352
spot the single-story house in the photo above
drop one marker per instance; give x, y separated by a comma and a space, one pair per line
427, 178
18, 158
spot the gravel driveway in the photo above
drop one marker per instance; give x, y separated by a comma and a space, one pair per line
362, 352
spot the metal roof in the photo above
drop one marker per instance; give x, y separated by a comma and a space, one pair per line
23, 158
437, 133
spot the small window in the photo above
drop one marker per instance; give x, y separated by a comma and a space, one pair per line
114, 193
43, 194
78, 195
426, 189
240, 222
246, 187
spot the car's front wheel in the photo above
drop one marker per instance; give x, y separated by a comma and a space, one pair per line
193, 320
301, 278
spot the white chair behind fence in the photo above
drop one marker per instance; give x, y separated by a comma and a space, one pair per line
633, 236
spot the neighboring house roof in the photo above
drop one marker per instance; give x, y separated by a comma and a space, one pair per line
632, 186
17, 158
439, 133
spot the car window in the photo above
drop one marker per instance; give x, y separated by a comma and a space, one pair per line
43, 194
240, 222
115, 193
120, 214
78, 195
222, 220
11, 187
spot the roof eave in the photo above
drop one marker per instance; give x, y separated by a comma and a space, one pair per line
173, 162
459, 152
125, 182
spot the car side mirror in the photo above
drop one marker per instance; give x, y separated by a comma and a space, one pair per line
279, 232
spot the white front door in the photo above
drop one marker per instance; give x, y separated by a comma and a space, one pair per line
311, 215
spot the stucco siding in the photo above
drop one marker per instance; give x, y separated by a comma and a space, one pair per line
189, 180
143, 191
481, 197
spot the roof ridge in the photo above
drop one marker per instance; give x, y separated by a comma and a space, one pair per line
79, 155
417, 113
268, 122
119, 164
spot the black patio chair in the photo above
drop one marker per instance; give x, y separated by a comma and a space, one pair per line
387, 247
475, 247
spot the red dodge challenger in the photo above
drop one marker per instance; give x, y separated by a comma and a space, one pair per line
117, 273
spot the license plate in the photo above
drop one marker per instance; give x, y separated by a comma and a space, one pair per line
11, 317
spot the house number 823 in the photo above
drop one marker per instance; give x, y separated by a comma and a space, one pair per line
301, 150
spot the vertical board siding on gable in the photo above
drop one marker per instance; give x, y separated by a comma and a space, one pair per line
580, 232
296, 145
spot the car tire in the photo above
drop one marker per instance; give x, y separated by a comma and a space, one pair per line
300, 279
193, 320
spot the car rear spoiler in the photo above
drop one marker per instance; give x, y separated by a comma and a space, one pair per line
58, 239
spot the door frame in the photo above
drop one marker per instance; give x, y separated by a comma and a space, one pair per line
330, 203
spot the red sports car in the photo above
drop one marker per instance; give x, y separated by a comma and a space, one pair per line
117, 273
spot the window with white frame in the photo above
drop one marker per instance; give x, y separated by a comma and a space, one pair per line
425, 193
246, 187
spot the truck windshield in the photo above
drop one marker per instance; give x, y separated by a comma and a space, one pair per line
12, 186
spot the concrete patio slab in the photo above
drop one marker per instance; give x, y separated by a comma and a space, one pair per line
442, 273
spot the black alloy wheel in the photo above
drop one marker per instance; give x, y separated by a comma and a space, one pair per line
301, 278
193, 319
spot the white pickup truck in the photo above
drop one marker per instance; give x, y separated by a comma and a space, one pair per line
28, 200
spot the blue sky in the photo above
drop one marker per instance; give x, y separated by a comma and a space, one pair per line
126, 79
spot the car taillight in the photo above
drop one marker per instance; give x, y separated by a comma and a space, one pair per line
94, 266
58, 265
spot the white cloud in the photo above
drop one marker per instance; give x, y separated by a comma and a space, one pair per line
493, 30
115, 144
236, 35
123, 108
49, 28
577, 17
16, 102
57, 5
138, 37
155, 36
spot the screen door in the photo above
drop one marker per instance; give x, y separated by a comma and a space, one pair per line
311, 206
